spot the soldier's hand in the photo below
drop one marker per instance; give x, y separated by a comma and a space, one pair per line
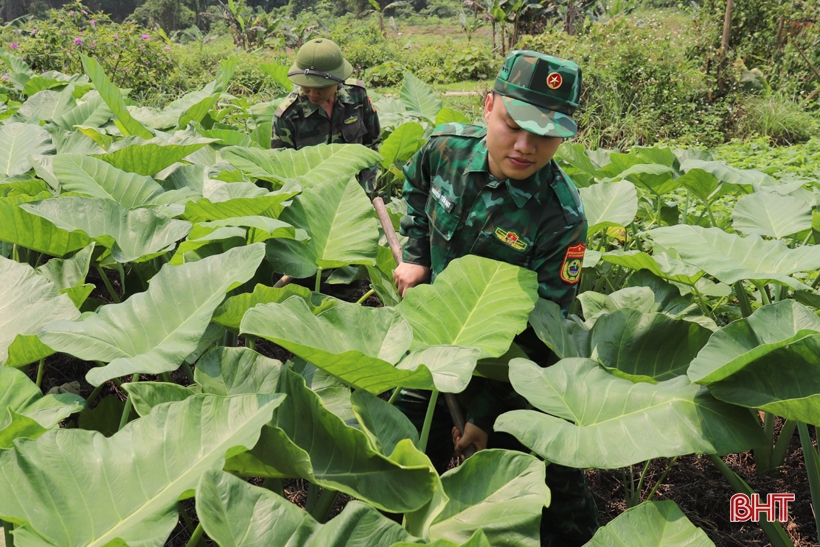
473, 435
408, 275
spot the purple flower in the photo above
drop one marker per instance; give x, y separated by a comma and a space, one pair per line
116, 37
14, 45
145, 37
167, 48
78, 40
93, 23
33, 32
83, 12
70, 13
5, 76
93, 44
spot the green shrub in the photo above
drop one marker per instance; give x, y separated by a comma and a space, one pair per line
777, 117
765, 34
388, 74
364, 46
802, 160
639, 87
131, 55
471, 63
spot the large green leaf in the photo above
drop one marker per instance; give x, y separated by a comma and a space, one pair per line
640, 346
22, 228
69, 272
308, 166
681, 274
448, 115
230, 313
154, 331
633, 423
96, 178
651, 524
474, 302
402, 144
17, 142
279, 73
705, 186
341, 224
91, 490
357, 344
418, 97
135, 233
743, 363
45, 105
744, 179
235, 513
113, 98
646, 293
731, 258
770, 214
91, 112
19, 395
216, 209
151, 157
295, 444
609, 204
384, 424
236, 371
27, 303
656, 178
481, 486
259, 228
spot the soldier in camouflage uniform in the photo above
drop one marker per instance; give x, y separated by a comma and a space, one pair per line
497, 193
329, 107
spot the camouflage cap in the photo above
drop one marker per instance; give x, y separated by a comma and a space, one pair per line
540, 92
319, 63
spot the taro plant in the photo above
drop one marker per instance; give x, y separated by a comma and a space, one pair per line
142, 245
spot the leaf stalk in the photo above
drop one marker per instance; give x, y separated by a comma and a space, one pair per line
108, 285
812, 465
428, 420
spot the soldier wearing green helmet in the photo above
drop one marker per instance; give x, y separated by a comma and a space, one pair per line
328, 107
496, 192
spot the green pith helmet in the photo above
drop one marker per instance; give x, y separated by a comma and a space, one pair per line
319, 63
540, 92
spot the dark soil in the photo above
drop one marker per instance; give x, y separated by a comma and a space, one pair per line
693, 482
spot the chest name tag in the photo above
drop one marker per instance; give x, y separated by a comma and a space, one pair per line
351, 119
512, 239
445, 202
571, 268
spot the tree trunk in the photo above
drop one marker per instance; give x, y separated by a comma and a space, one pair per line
494, 35
569, 25
727, 25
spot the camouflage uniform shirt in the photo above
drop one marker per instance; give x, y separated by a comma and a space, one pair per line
456, 207
298, 123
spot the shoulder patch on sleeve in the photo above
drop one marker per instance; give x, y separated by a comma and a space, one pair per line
354, 82
285, 104
460, 130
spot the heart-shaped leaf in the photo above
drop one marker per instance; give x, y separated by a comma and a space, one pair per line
476, 302
131, 234
633, 423
154, 331
132, 480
